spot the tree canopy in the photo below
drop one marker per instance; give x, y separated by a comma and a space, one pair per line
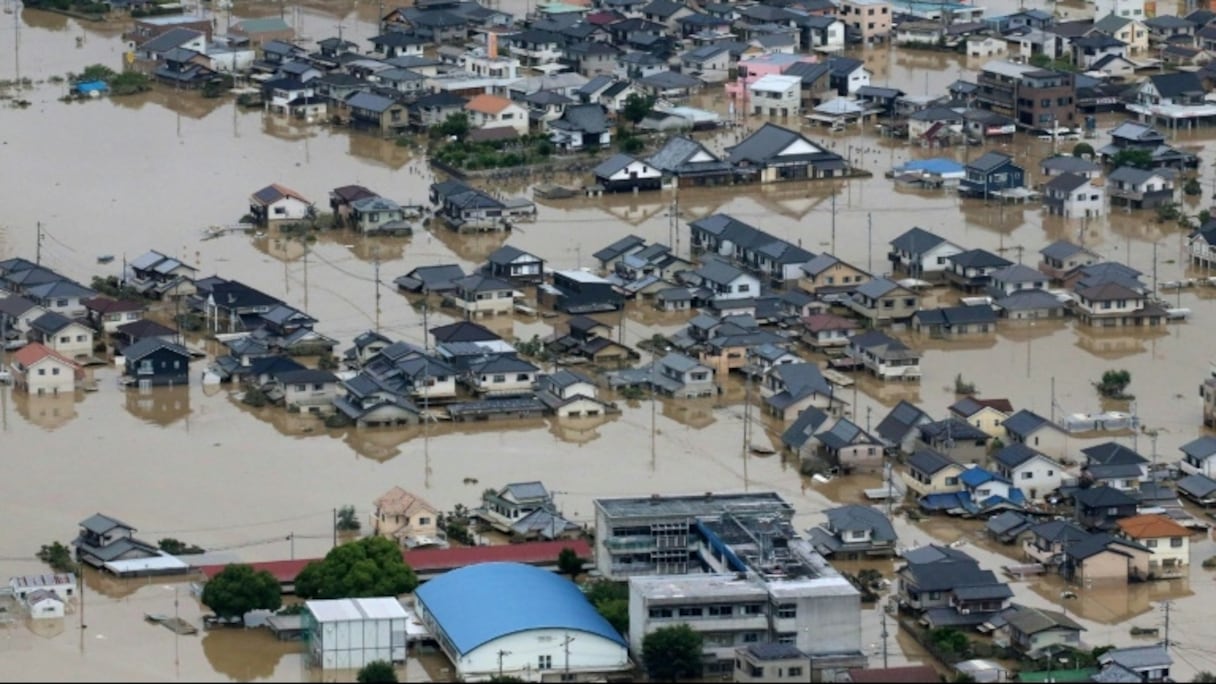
611, 600
568, 562
672, 653
377, 672
1135, 158
637, 107
368, 567
238, 589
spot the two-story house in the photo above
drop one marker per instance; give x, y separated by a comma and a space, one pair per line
899, 429
510, 263
1034, 632
1114, 305
1141, 188
503, 507
848, 447
776, 95
1073, 196
789, 389
990, 174
985, 414
1099, 508
827, 275
1113, 465
948, 588
1199, 457
479, 295
773, 154
502, 376
726, 281
972, 270
62, 334
956, 439
1033, 472
405, 518
882, 301
106, 314
1167, 541
1029, 428
854, 532
103, 539
825, 331
1061, 259
922, 254
495, 111
931, 472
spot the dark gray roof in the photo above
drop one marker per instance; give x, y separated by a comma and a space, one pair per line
50, 322
917, 241
676, 153
613, 164
1199, 486
670, 80
1061, 249
844, 433
1007, 522
929, 461
1112, 453
719, 272
480, 283
148, 345
1129, 174
306, 375
899, 422
586, 118
100, 524
1102, 497
951, 429
803, 427
762, 146
1029, 300
1065, 182
619, 247
990, 161
1015, 455
956, 315
876, 288
1024, 422
1138, 658
507, 253
978, 258
1201, 448
861, 518
369, 101
174, 37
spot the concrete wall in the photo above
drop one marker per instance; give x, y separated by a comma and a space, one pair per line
527, 653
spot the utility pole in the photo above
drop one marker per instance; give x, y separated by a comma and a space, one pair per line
1166, 643
335, 528
1053, 399
884, 636
501, 653
1154, 267
291, 537
376, 265
38, 245
305, 276
833, 221
426, 341
654, 406
869, 243
566, 646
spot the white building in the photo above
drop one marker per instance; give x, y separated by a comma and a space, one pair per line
1072, 195
62, 585
45, 604
1133, 9
494, 111
1030, 471
350, 633
513, 619
776, 95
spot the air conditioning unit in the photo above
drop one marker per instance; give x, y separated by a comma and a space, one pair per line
964, 611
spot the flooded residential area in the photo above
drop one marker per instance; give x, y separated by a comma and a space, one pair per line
923, 357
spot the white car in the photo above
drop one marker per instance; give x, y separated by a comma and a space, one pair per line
6, 376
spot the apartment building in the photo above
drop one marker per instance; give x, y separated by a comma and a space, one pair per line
869, 19
761, 584
1037, 99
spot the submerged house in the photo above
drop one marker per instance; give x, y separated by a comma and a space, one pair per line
854, 532
773, 154
153, 361
278, 203
103, 540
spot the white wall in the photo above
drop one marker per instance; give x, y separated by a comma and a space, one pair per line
588, 652
48, 382
1039, 481
354, 643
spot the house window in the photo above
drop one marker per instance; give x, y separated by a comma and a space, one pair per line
690, 612
753, 609
1151, 543
750, 637
301, 388
951, 481
66, 339
424, 521
41, 371
500, 378
522, 377
54, 371
720, 611
544, 662
744, 287
61, 303
787, 610
660, 612
794, 672
1175, 542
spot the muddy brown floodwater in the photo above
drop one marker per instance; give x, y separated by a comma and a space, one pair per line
121, 176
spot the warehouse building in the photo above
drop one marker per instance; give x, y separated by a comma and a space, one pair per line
350, 633
512, 619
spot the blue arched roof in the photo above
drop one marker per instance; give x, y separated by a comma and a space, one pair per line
480, 603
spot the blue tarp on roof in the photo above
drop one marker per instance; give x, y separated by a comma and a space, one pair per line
936, 165
92, 87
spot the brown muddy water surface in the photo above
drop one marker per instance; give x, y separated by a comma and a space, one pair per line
123, 176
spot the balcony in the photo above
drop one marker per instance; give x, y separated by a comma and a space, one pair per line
633, 544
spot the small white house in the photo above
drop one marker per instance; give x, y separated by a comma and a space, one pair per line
986, 46
45, 605
776, 95
495, 111
623, 173
277, 203
63, 585
1132, 9
1072, 195
1029, 470
350, 633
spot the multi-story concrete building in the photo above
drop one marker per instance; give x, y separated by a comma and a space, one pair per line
869, 19
1037, 99
754, 581
658, 535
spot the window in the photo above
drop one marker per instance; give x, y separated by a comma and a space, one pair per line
522, 377
301, 388
61, 303
500, 378
544, 662
744, 287
787, 610
750, 637
66, 339
660, 612
753, 609
1027, 475
951, 481
318, 386
1175, 542
787, 638
690, 611
424, 521
720, 611
1151, 543
41, 371
794, 672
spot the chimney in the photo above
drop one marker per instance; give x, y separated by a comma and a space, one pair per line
492, 45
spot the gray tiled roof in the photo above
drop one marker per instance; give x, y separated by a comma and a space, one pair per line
1024, 422
861, 518
929, 461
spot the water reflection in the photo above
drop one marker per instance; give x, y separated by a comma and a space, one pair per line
1117, 343
161, 406
1113, 603
47, 411
579, 431
246, 655
472, 248
383, 152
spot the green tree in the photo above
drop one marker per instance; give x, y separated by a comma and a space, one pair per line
177, 547
568, 563
1082, 149
1139, 159
1040, 60
58, 556
1204, 676
1192, 187
348, 520
611, 600
455, 125
949, 639
238, 589
672, 653
1114, 382
377, 672
93, 72
372, 566
637, 107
